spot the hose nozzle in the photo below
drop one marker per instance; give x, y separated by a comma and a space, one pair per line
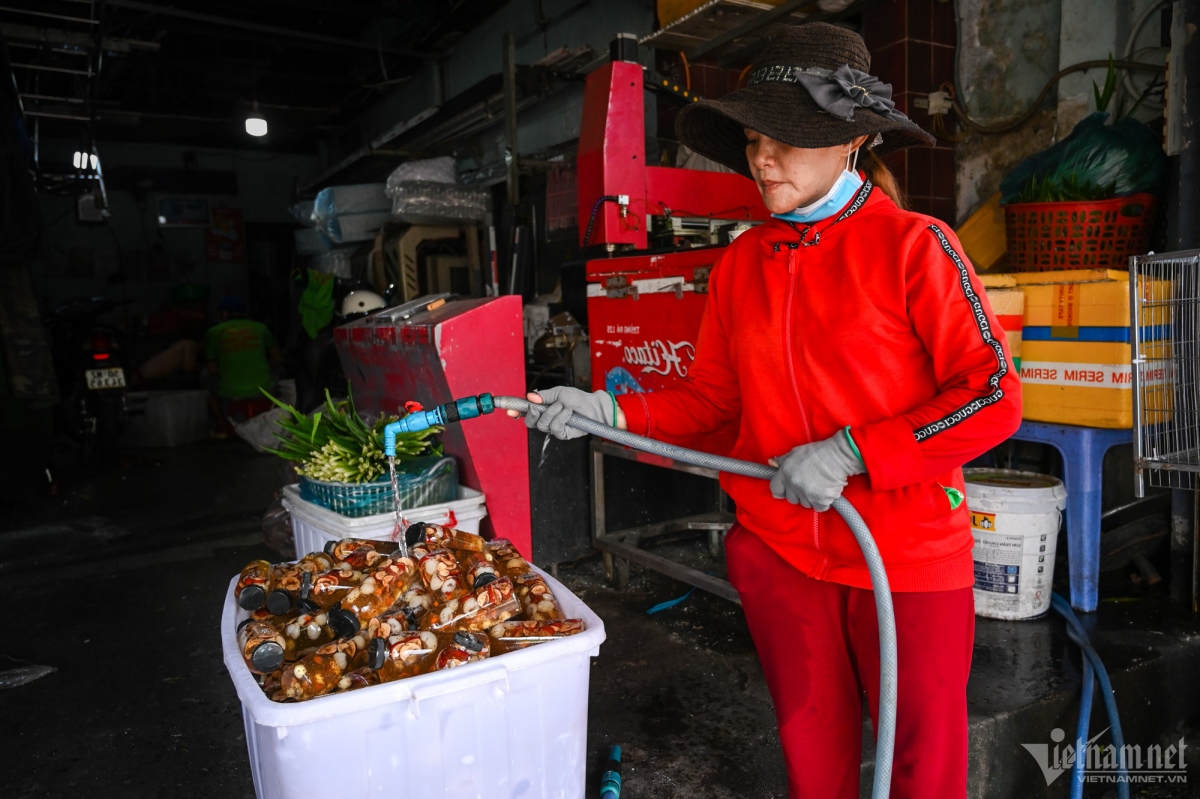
465, 408
610, 781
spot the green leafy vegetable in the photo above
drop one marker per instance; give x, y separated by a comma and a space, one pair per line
1068, 188
335, 443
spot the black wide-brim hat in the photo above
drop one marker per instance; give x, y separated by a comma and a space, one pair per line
801, 89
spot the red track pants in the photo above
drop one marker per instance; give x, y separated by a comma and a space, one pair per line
819, 647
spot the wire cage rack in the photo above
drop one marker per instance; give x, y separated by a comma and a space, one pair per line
1164, 295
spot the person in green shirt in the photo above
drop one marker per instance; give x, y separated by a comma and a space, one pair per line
240, 353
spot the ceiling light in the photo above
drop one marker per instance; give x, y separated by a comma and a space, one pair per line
80, 161
255, 124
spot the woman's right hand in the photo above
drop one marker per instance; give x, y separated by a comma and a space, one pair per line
552, 408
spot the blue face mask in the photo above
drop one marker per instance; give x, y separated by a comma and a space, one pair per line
841, 193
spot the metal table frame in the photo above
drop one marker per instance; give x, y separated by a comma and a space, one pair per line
620, 547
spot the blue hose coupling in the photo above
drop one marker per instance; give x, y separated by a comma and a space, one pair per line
610, 780
465, 408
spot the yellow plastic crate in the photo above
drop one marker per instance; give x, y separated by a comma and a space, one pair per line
982, 235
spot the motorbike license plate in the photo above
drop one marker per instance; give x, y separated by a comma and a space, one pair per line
105, 378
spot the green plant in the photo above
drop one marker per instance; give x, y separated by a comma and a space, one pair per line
1104, 96
1068, 188
336, 444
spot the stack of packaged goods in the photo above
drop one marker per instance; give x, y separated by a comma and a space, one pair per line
1075, 366
1008, 303
365, 612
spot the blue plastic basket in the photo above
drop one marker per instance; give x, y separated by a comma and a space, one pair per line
422, 481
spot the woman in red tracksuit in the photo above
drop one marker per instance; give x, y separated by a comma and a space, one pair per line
855, 344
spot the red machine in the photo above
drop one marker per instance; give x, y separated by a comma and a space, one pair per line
458, 349
643, 310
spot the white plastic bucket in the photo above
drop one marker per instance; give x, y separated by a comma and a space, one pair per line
313, 525
514, 725
1015, 518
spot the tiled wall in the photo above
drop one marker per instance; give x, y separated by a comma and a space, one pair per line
912, 48
707, 80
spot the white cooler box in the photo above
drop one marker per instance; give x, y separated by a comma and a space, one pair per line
165, 418
510, 726
313, 525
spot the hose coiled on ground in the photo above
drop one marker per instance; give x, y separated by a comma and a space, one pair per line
885, 735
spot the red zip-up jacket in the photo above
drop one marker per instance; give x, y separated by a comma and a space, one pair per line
873, 319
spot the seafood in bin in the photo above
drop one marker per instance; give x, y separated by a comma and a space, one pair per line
536, 599
440, 537
463, 649
361, 613
510, 635
320, 672
480, 570
439, 570
476, 611
405, 654
379, 590
293, 581
343, 550
507, 559
329, 588
253, 585
353, 680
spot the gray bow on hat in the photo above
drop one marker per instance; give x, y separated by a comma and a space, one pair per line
844, 89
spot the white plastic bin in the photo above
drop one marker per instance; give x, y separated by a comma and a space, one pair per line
510, 726
165, 418
313, 525
1015, 518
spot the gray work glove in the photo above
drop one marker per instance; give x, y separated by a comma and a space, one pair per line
561, 403
814, 475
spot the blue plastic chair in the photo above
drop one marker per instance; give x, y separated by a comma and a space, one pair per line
1082, 450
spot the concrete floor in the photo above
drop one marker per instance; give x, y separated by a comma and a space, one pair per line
117, 584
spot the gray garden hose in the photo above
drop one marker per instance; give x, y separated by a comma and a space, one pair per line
885, 737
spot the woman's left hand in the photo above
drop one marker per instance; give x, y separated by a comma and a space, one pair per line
814, 475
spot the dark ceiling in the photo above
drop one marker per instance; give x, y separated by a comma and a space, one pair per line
188, 72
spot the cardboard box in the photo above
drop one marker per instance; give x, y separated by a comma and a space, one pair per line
1075, 366
1009, 307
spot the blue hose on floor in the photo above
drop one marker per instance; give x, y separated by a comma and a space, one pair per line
1082, 726
1091, 662
885, 735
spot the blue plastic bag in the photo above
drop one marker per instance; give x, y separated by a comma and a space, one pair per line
1126, 156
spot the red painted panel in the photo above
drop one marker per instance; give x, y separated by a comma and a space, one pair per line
612, 153
690, 192
638, 267
648, 344
461, 349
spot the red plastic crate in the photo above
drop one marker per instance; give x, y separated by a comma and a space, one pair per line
1044, 237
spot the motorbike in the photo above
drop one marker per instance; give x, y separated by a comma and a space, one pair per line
90, 360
